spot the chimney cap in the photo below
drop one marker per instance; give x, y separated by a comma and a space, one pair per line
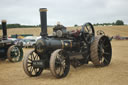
3, 21
43, 9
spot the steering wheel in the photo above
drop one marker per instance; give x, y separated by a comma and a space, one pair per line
88, 32
100, 32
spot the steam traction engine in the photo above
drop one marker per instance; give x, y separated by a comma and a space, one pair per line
65, 48
8, 49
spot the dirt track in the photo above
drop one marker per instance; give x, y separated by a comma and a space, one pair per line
114, 74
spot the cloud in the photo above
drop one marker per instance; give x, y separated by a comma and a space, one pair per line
68, 12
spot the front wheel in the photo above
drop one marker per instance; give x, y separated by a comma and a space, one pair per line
15, 53
59, 64
28, 67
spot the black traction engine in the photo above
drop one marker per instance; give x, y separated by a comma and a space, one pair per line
8, 49
65, 48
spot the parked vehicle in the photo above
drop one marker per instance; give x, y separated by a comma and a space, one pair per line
29, 41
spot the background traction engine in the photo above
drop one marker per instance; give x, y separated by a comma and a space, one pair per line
65, 48
8, 49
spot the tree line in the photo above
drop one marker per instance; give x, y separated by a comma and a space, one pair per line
118, 22
22, 26
19, 26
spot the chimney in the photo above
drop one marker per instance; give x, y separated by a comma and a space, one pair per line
4, 28
43, 18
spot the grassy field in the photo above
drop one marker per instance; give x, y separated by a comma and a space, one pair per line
109, 30
114, 74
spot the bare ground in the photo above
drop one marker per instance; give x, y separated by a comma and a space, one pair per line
114, 74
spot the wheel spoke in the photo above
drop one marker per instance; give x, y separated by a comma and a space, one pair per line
107, 53
105, 46
102, 41
32, 56
87, 29
106, 60
35, 70
57, 70
59, 73
17, 58
29, 62
29, 65
31, 69
29, 59
61, 70
36, 57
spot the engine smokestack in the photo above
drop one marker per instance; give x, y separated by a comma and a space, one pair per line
43, 18
4, 28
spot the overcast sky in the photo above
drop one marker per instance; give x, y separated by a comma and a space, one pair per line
68, 12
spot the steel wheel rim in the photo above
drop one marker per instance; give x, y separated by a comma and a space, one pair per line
61, 64
32, 70
15, 54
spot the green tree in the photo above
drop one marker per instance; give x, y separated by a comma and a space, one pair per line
119, 22
75, 25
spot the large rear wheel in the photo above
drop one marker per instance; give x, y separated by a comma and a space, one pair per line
59, 64
101, 51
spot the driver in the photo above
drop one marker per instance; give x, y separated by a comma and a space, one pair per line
58, 27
